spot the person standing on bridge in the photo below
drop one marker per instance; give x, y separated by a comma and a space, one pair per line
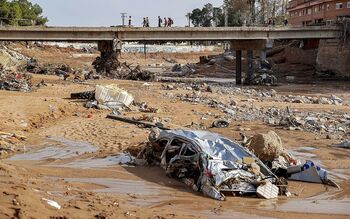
144, 23
147, 22
170, 22
160, 21
165, 22
129, 21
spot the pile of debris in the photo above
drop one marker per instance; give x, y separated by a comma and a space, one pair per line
263, 75
33, 66
185, 70
10, 58
62, 70
110, 67
329, 123
269, 149
12, 81
272, 95
217, 166
9, 143
108, 97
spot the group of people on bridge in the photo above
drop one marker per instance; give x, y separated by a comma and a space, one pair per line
166, 22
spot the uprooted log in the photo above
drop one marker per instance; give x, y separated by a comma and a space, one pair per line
136, 122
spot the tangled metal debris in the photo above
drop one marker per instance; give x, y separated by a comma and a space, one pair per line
12, 81
209, 163
110, 67
217, 166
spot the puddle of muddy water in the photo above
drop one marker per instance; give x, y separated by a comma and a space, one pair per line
57, 148
148, 193
324, 203
90, 163
120, 186
317, 206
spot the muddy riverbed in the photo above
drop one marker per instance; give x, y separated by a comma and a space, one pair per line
74, 157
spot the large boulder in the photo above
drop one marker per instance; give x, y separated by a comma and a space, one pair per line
266, 147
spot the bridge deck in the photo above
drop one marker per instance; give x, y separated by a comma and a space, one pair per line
93, 34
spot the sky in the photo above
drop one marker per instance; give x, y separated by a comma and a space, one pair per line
107, 12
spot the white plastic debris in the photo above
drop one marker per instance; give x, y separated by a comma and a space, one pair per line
112, 94
267, 191
52, 203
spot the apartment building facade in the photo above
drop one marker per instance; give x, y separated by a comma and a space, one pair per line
317, 12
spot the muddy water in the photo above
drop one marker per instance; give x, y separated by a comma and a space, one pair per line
149, 187
91, 163
57, 148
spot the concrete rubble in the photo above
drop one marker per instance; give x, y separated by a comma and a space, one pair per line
327, 123
185, 70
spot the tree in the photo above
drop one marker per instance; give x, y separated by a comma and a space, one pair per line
207, 16
237, 12
196, 17
15, 14
21, 12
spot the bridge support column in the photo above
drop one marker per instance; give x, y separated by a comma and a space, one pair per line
110, 49
249, 46
108, 60
249, 65
238, 67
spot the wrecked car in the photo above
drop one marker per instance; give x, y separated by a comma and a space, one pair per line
210, 163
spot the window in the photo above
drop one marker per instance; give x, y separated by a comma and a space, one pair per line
316, 9
348, 5
187, 150
309, 10
327, 7
338, 5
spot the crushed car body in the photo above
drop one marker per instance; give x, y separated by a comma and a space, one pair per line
210, 163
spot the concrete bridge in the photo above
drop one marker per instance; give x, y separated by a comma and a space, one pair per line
95, 34
110, 39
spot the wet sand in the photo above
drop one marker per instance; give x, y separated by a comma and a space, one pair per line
69, 158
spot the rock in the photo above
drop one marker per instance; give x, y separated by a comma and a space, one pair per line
266, 146
169, 87
212, 61
233, 103
3, 154
210, 89
229, 58
333, 97
176, 68
323, 100
273, 92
